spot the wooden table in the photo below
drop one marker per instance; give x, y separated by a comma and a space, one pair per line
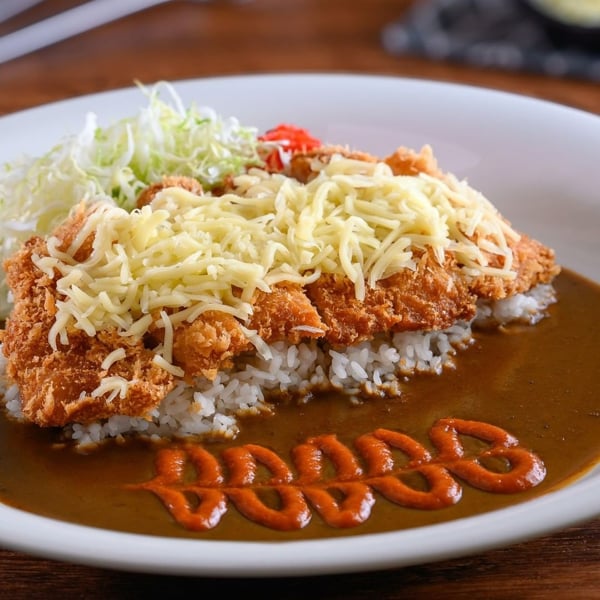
180, 40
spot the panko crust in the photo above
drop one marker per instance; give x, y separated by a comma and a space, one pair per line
57, 386
403, 161
285, 313
187, 183
303, 164
57, 390
208, 344
533, 264
431, 297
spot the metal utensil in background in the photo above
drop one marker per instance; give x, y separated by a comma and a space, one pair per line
65, 24
11, 8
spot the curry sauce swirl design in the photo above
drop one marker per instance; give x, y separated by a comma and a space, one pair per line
347, 498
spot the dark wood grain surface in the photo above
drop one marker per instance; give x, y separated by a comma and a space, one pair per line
180, 40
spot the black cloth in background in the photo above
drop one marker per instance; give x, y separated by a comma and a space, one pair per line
491, 33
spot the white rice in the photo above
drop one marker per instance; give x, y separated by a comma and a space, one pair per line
212, 408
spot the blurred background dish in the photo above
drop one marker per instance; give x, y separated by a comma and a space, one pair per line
513, 35
569, 22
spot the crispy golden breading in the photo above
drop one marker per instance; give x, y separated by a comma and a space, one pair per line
403, 161
430, 297
56, 386
187, 183
208, 344
56, 389
285, 313
68, 230
26, 336
301, 165
533, 263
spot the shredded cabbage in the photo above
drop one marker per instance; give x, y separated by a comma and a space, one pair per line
113, 164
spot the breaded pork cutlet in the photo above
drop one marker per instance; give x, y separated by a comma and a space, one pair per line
304, 166
56, 385
533, 262
65, 384
211, 342
431, 297
187, 183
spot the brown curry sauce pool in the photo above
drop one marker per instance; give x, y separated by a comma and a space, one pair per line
538, 383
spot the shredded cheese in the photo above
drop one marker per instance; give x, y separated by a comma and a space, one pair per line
111, 387
185, 254
112, 358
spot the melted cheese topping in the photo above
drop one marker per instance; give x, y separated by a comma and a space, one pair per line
186, 254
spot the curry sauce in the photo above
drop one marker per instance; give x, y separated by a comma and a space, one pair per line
536, 384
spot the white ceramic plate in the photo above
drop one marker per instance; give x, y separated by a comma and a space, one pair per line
537, 161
